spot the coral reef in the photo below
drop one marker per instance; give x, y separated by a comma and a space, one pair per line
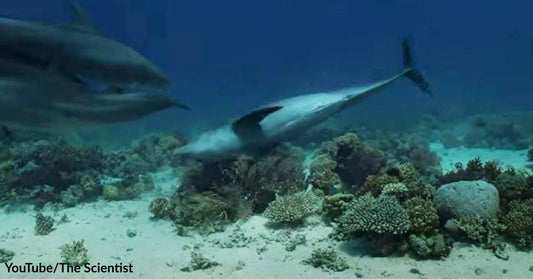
485, 232
334, 205
327, 259
160, 207
199, 262
355, 160
6, 255
322, 173
74, 253
511, 185
423, 217
382, 215
519, 223
435, 246
128, 187
43, 224
292, 208
467, 199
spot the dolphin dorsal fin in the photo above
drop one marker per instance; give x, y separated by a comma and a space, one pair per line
80, 18
248, 128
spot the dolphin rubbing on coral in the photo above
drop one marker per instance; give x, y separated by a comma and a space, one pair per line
285, 119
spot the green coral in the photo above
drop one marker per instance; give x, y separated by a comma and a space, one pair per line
75, 253
43, 224
292, 208
485, 232
382, 215
435, 246
327, 259
423, 216
322, 173
6, 255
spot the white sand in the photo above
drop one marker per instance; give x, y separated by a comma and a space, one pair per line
157, 252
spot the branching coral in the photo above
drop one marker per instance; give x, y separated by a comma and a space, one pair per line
519, 222
423, 216
75, 253
366, 214
327, 259
482, 231
292, 208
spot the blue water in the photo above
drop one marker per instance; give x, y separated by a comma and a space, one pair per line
227, 57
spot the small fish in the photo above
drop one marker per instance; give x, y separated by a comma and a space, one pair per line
286, 119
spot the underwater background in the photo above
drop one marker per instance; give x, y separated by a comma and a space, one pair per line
476, 55
401, 185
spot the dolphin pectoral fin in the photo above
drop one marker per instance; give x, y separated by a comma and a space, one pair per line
248, 128
410, 72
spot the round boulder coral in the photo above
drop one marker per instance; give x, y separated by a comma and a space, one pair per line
467, 199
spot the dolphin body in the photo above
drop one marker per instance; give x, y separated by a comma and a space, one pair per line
78, 50
32, 100
285, 119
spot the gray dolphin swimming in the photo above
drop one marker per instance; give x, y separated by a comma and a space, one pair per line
32, 100
288, 118
79, 50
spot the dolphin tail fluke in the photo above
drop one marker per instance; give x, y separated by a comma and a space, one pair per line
410, 72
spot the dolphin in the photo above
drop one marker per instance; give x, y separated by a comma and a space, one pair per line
31, 100
77, 49
286, 119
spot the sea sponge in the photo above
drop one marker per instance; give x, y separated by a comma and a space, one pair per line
43, 224
334, 205
74, 253
366, 214
435, 246
423, 216
485, 232
327, 259
292, 208
322, 173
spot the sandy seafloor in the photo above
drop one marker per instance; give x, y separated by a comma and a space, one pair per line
259, 251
